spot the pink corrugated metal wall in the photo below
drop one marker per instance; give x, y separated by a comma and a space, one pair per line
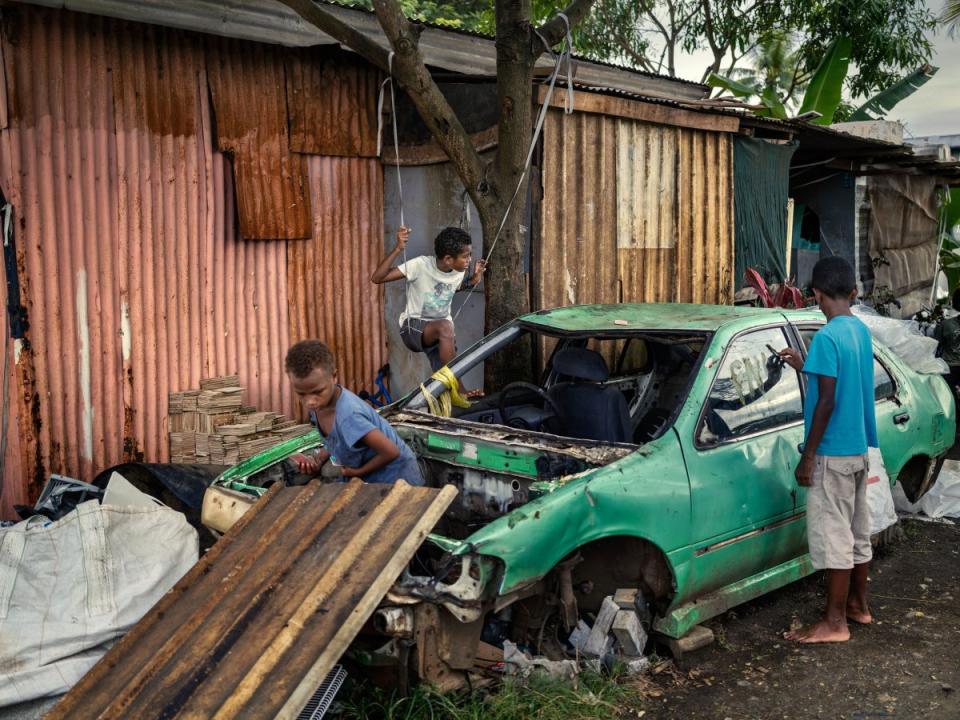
133, 272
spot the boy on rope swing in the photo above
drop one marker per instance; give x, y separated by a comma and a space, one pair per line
426, 324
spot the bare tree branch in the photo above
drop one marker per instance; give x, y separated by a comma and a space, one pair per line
339, 31
555, 30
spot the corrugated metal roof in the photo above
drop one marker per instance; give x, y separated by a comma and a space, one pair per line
273, 22
249, 93
254, 628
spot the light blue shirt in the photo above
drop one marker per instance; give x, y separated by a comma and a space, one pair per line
843, 349
352, 420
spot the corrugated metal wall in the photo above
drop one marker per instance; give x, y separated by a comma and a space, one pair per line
633, 212
135, 277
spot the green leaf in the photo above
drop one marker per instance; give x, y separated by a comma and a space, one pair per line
769, 98
883, 102
824, 91
738, 89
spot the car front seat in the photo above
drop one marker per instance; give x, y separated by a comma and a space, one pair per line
588, 409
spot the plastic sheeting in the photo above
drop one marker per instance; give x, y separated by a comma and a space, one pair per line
905, 339
883, 514
942, 500
761, 178
69, 588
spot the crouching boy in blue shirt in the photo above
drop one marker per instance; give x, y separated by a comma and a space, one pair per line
355, 438
840, 425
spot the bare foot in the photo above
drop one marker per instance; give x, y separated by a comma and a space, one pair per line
819, 632
859, 615
474, 394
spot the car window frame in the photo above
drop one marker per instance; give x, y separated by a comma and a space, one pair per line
878, 355
791, 340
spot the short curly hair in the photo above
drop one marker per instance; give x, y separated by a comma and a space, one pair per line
307, 355
451, 241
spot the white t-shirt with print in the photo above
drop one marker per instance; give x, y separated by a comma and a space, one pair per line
429, 289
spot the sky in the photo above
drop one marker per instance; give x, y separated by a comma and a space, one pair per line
933, 110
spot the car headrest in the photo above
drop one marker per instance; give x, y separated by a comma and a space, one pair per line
581, 364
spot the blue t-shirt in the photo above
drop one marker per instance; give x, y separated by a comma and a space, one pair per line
352, 420
843, 349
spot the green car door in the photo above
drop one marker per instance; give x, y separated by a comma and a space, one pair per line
741, 458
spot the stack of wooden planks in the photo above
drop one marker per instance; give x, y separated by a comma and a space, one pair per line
211, 426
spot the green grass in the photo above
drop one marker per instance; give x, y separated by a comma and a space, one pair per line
595, 697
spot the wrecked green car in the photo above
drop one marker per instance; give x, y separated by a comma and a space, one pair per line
653, 450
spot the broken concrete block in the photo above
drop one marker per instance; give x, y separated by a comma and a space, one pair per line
698, 637
521, 663
625, 598
637, 666
601, 628
629, 633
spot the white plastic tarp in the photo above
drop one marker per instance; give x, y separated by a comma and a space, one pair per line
69, 588
941, 500
879, 498
905, 339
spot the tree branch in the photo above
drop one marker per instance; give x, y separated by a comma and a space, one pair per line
339, 31
555, 30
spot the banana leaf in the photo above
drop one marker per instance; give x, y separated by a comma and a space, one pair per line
738, 89
824, 91
883, 102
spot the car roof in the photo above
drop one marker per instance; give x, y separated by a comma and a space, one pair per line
646, 316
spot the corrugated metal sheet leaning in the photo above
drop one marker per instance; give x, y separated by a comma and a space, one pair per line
132, 270
256, 625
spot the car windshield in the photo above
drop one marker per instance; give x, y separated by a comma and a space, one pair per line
611, 387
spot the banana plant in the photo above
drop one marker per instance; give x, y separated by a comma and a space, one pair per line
880, 104
823, 93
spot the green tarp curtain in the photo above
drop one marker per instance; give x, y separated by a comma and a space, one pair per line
761, 179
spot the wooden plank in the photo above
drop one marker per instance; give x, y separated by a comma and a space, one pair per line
588, 102
255, 626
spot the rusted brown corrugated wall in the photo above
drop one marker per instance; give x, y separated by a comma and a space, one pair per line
134, 274
331, 296
633, 212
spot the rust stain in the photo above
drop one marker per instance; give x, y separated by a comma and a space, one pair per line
248, 86
332, 98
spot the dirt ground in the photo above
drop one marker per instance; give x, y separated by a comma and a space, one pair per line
906, 665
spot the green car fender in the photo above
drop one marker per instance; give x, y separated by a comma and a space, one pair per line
645, 495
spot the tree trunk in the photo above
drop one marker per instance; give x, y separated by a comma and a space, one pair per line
507, 293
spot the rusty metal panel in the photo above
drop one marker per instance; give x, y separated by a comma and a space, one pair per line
705, 206
328, 276
634, 212
60, 174
577, 254
250, 103
254, 628
332, 103
134, 276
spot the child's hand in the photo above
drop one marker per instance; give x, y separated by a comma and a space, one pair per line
306, 465
403, 234
478, 270
792, 358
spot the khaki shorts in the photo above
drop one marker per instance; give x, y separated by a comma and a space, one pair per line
838, 517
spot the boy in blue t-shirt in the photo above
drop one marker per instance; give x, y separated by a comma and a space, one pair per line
356, 439
840, 425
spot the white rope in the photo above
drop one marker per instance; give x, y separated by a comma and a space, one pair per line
566, 52
396, 155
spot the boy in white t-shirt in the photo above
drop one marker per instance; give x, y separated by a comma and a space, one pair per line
426, 324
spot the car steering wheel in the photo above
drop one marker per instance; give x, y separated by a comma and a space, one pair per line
515, 387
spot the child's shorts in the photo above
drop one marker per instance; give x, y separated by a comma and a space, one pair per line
411, 333
838, 517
